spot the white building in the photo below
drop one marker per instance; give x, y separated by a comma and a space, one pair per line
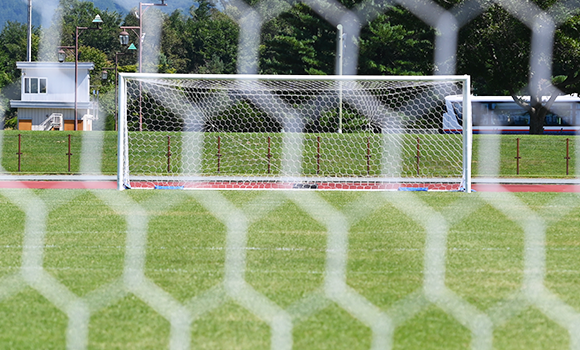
48, 96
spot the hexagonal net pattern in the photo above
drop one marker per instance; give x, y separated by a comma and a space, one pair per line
179, 150
284, 131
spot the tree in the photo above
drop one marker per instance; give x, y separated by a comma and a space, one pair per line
13, 40
202, 41
495, 50
74, 13
91, 54
298, 42
396, 43
172, 47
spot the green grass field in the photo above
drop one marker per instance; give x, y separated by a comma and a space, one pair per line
345, 270
46, 153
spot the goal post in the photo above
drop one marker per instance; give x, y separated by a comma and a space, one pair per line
259, 131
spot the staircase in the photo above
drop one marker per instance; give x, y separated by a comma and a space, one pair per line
53, 121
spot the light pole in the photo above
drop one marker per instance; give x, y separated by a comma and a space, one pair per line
96, 91
97, 21
29, 38
124, 36
124, 39
104, 75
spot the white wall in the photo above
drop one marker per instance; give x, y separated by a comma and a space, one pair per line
38, 115
60, 80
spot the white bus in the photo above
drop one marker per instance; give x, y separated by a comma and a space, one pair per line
500, 114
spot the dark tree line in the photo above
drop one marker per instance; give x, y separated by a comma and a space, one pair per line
494, 48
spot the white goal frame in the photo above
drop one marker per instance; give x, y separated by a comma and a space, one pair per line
123, 176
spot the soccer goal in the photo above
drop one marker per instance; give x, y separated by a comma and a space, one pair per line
326, 132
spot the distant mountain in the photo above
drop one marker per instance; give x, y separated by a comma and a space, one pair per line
17, 10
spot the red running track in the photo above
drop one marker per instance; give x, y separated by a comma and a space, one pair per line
113, 185
60, 184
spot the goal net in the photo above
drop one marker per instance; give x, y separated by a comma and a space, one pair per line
326, 132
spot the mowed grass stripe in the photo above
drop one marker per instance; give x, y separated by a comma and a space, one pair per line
286, 262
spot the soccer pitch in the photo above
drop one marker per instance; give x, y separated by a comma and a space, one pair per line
303, 269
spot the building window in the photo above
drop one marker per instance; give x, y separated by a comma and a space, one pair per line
35, 85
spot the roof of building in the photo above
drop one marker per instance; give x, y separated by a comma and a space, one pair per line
54, 65
50, 104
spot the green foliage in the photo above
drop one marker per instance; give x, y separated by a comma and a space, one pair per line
11, 123
396, 43
74, 13
160, 117
172, 45
242, 117
7, 119
299, 42
14, 43
4, 79
203, 42
495, 50
99, 58
350, 121
165, 65
110, 122
494, 47
567, 53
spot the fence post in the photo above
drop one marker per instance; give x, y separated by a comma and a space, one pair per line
168, 153
368, 155
317, 155
567, 156
219, 153
69, 154
418, 156
518, 156
19, 153
269, 154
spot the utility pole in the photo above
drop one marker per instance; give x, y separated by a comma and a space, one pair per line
29, 49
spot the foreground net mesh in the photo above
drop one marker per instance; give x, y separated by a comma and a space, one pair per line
534, 298
373, 132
